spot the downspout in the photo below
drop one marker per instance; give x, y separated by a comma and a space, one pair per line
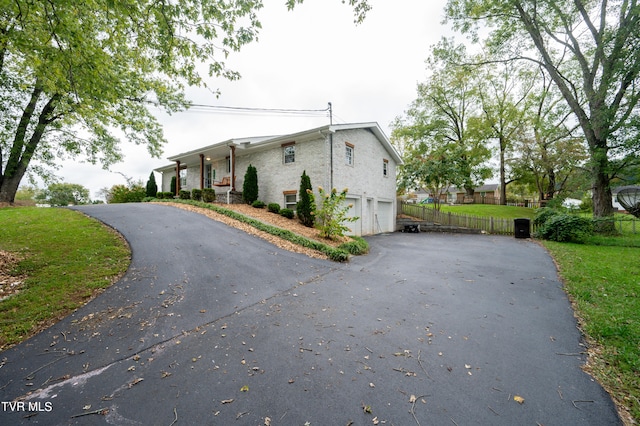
201, 171
330, 160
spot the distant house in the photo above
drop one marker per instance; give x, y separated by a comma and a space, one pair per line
355, 156
485, 194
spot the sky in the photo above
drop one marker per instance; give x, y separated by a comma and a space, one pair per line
303, 59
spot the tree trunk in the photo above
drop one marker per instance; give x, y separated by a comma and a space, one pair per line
601, 196
8, 188
503, 177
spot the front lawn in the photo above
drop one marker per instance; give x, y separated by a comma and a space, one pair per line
67, 258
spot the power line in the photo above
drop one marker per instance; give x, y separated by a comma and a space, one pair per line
222, 109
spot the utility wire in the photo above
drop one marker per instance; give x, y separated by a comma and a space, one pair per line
221, 109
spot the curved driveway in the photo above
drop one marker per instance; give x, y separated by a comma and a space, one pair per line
213, 326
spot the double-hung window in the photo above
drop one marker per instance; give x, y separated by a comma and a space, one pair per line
289, 152
290, 199
348, 154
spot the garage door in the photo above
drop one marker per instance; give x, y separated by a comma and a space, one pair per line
355, 210
385, 217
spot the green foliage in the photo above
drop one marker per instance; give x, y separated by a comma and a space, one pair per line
357, 246
306, 206
273, 207
165, 195
288, 213
564, 227
250, 185
173, 185
544, 214
133, 193
196, 194
335, 254
331, 217
68, 259
64, 194
258, 204
152, 187
208, 195
184, 194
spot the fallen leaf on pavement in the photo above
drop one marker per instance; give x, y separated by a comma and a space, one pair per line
518, 399
226, 401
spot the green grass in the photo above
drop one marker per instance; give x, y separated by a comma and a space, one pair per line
604, 283
489, 210
67, 259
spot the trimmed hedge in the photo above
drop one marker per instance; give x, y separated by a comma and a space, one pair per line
273, 207
258, 204
208, 195
357, 246
288, 213
184, 194
335, 254
196, 194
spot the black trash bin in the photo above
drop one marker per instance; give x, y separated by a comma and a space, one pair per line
522, 228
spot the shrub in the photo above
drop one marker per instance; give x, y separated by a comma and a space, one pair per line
208, 195
250, 185
152, 187
358, 246
172, 186
126, 194
168, 195
566, 228
148, 199
333, 213
258, 204
184, 194
306, 206
273, 207
543, 215
288, 213
196, 194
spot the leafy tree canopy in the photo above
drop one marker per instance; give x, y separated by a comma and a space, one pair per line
64, 194
78, 76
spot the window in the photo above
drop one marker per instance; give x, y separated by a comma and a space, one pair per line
208, 176
385, 168
289, 152
183, 178
290, 199
349, 154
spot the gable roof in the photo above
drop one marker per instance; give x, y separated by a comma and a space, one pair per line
257, 143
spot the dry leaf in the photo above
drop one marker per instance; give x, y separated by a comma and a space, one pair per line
132, 368
267, 421
467, 366
226, 401
245, 388
375, 421
371, 385
412, 399
518, 399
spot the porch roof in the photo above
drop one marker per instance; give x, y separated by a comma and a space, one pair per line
250, 144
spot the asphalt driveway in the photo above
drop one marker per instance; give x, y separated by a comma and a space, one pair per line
213, 326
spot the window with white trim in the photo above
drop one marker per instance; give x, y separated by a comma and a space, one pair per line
348, 154
385, 168
289, 153
290, 199
208, 176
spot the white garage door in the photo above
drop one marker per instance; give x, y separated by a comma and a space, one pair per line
385, 217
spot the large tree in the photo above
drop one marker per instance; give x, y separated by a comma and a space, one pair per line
77, 76
442, 116
600, 39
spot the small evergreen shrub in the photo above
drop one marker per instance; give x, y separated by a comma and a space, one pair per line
566, 228
168, 195
184, 194
148, 199
258, 204
208, 195
172, 186
306, 206
288, 213
152, 187
196, 194
273, 207
250, 185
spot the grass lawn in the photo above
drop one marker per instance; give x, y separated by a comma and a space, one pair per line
489, 210
67, 258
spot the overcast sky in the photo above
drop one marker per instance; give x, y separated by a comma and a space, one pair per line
303, 60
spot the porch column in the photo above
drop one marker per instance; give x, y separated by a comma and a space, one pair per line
177, 177
233, 168
201, 171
